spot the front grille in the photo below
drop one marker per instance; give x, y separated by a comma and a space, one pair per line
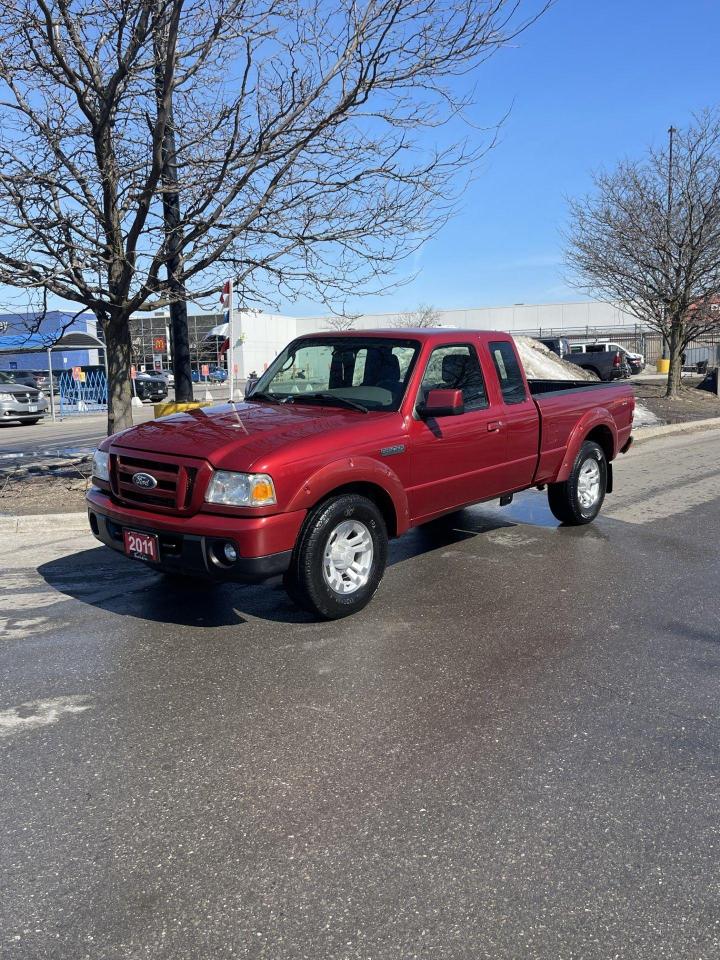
24, 397
176, 482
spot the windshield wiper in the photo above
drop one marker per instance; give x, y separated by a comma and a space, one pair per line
261, 395
331, 398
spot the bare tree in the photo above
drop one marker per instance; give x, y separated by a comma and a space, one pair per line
341, 321
649, 238
424, 315
299, 160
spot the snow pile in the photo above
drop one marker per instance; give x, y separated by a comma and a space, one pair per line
644, 417
542, 364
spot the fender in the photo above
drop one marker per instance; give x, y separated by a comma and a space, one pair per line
348, 470
595, 417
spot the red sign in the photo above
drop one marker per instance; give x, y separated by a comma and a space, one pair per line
76, 373
133, 372
159, 344
205, 369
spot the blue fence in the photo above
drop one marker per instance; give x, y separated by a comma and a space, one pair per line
82, 396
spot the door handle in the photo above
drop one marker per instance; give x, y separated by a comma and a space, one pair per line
494, 425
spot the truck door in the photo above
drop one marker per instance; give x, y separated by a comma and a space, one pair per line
455, 459
519, 416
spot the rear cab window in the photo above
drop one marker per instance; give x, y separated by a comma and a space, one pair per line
508, 371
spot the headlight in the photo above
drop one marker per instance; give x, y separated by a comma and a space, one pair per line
6, 398
241, 489
101, 465
41, 395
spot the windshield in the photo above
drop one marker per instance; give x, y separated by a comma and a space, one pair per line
364, 373
6, 378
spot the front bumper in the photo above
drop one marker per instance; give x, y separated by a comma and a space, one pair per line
12, 410
194, 545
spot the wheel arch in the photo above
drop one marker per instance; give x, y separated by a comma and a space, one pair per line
598, 426
364, 476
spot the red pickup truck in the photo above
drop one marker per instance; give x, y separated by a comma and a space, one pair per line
346, 440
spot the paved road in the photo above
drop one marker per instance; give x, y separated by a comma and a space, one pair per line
77, 431
514, 752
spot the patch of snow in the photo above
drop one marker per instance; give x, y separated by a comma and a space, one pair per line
39, 713
644, 417
542, 364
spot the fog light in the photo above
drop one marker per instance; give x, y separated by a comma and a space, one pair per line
230, 553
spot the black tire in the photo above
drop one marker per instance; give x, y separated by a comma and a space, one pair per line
564, 498
34, 421
306, 582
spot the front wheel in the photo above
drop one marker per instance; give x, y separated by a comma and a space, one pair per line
578, 499
340, 557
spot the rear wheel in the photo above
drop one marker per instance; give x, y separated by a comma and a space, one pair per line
578, 499
340, 557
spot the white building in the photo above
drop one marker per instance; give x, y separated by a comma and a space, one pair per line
260, 336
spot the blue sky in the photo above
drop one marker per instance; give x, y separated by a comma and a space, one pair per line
591, 83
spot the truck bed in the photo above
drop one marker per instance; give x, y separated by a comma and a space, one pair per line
566, 405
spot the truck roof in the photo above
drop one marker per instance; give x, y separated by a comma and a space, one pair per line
413, 333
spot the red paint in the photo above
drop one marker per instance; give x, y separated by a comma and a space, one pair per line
419, 467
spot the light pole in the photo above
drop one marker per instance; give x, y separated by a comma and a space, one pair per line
668, 218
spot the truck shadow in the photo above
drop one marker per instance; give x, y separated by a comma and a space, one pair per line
111, 582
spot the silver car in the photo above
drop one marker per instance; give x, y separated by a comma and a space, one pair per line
20, 404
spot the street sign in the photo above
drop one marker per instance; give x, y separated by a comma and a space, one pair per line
157, 361
205, 370
159, 344
133, 372
76, 373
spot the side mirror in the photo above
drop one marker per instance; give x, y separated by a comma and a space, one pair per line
442, 403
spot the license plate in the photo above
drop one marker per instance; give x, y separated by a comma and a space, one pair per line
141, 546
32, 408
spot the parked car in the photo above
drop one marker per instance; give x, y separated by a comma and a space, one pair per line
631, 362
623, 362
311, 485
167, 375
216, 375
558, 345
20, 403
32, 378
151, 386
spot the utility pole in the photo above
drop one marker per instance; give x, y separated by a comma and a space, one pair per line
173, 230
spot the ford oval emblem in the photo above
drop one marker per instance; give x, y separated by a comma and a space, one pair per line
144, 480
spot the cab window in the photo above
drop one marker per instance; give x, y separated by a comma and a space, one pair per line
508, 371
455, 367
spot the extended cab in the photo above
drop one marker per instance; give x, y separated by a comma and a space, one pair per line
346, 440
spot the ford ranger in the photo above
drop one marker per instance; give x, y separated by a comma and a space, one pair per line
349, 439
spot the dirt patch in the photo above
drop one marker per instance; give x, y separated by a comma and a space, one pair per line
44, 487
692, 404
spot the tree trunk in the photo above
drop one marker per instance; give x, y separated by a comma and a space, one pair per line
119, 359
674, 374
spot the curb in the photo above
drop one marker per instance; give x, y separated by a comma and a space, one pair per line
645, 434
45, 521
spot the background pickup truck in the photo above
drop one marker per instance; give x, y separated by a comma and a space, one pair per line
597, 358
346, 440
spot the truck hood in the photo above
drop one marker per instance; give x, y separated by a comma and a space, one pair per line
219, 434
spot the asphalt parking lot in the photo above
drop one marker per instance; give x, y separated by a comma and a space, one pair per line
514, 752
